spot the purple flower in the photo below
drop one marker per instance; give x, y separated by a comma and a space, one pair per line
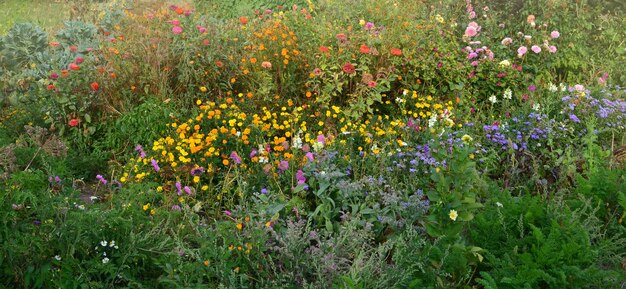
197, 171
235, 157
309, 156
139, 149
300, 177
283, 165
187, 190
155, 165
101, 179
532, 88
264, 191
175, 208
253, 153
179, 188
574, 118
368, 26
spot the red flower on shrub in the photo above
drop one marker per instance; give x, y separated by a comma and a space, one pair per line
364, 49
396, 51
348, 68
73, 122
73, 66
243, 20
324, 49
95, 86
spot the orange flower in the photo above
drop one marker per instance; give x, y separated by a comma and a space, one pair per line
95, 86
324, 49
73, 66
219, 64
396, 51
364, 49
243, 20
239, 226
180, 10
64, 73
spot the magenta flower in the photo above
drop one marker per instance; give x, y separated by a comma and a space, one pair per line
321, 138
309, 156
532, 88
139, 149
521, 51
235, 157
535, 49
177, 30
555, 34
179, 188
101, 179
187, 190
175, 22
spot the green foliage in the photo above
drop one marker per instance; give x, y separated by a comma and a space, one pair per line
77, 33
21, 45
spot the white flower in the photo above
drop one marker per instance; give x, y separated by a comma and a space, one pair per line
499, 204
399, 100
262, 160
57, 257
536, 106
493, 99
552, 87
508, 94
297, 142
105, 260
432, 120
104, 243
562, 86
318, 146
404, 92
93, 198
112, 243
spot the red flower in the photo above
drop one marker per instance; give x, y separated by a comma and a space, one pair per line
179, 10
73, 66
396, 51
73, 48
371, 84
243, 20
50, 86
79, 60
324, 49
341, 37
95, 86
364, 49
73, 122
348, 68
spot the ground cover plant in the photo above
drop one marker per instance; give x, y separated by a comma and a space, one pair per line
314, 144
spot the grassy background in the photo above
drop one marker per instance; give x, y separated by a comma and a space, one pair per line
48, 14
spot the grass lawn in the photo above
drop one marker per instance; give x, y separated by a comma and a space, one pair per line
45, 13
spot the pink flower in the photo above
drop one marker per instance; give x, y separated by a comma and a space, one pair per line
177, 30
470, 31
521, 51
555, 34
175, 22
507, 41
371, 84
79, 60
552, 49
535, 49
579, 87
266, 64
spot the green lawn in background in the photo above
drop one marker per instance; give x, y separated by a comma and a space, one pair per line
48, 14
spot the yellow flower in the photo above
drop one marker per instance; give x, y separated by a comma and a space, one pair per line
453, 215
239, 226
203, 89
466, 138
146, 206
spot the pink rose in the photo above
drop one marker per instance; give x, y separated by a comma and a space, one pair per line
535, 49
522, 50
470, 31
552, 49
555, 34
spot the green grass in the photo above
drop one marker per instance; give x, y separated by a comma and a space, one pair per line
48, 14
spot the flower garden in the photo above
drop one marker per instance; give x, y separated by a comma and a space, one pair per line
315, 144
